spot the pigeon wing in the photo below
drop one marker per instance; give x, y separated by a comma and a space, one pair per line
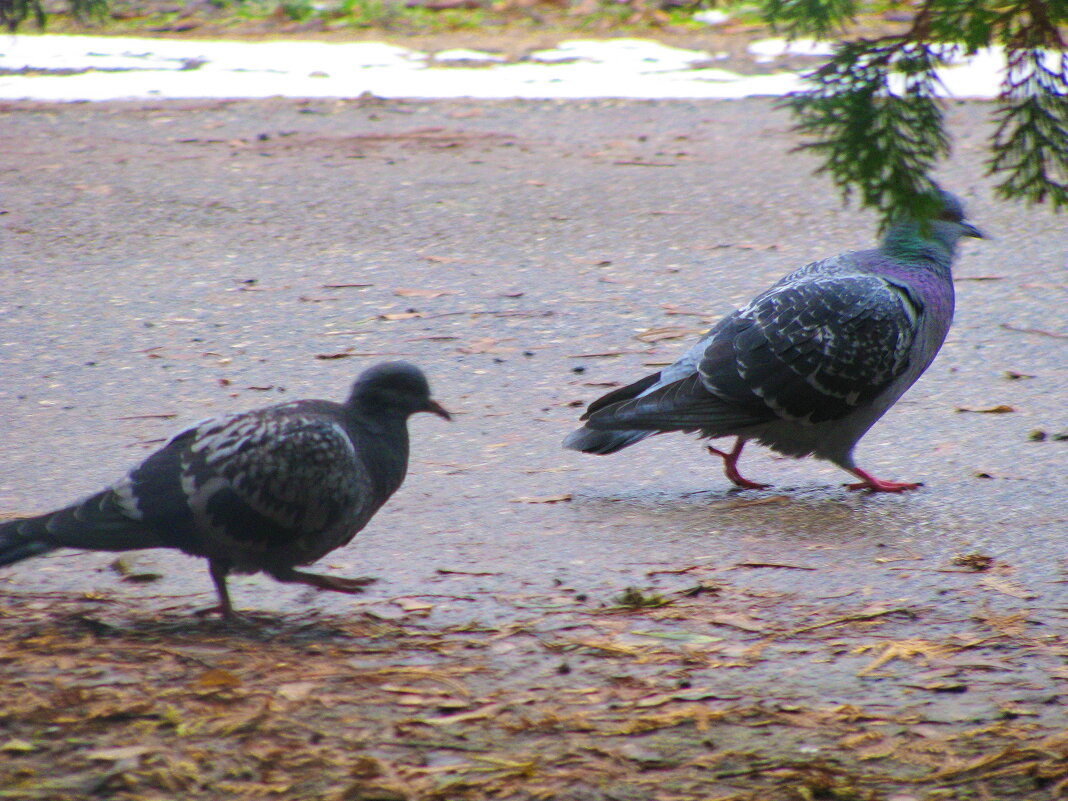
262, 479
815, 348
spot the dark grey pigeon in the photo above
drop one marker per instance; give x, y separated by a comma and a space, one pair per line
808, 366
264, 490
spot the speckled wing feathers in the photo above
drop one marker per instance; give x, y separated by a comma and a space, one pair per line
813, 348
816, 349
254, 481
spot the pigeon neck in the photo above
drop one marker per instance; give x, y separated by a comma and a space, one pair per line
378, 418
914, 241
381, 438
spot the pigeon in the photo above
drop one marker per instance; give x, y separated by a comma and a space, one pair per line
264, 490
808, 366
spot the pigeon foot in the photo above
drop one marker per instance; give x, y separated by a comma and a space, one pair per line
353, 586
730, 466
874, 484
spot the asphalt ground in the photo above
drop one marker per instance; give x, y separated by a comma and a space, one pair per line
164, 262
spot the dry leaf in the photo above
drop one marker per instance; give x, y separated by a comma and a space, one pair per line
695, 694
903, 649
217, 677
781, 565
999, 409
476, 714
671, 308
737, 621
401, 316
667, 332
344, 354
119, 754
1007, 587
18, 747
405, 292
296, 690
412, 605
1055, 334
486, 345
604, 354
564, 496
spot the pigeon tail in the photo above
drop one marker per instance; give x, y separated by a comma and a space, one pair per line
19, 540
603, 442
98, 523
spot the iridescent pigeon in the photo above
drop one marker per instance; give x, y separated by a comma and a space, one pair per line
808, 366
265, 490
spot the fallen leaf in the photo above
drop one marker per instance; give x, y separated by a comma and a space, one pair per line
18, 747
695, 694
975, 562
671, 308
475, 714
902, 649
689, 637
1054, 334
781, 565
405, 292
999, 409
564, 496
412, 605
604, 354
737, 621
296, 690
119, 754
667, 332
217, 677
486, 345
1007, 588
401, 316
341, 354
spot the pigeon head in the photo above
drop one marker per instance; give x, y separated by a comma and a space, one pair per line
932, 230
397, 388
949, 222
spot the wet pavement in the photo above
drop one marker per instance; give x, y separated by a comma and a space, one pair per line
163, 262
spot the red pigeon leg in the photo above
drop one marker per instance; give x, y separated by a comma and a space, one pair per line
730, 466
874, 484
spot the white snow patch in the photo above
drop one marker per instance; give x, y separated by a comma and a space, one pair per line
125, 68
769, 49
462, 54
711, 17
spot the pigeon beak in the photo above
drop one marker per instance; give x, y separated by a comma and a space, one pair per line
436, 408
971, 230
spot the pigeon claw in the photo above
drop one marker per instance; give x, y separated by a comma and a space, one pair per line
353, 586
730, 466
873, 484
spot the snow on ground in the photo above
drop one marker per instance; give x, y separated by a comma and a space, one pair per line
108, 68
